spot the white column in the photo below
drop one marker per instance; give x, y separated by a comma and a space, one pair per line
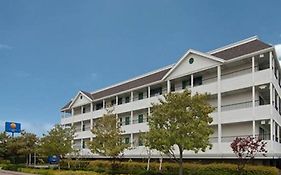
103, 104
116, 100
148, 114
91, 123
148, 92
72, 111
132, 96
81, 146
82, 125
270, 65
81, 109
219, 105
253, 97
168, 86
132, 140
132, 117
92, 107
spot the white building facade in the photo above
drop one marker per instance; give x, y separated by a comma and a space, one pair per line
244, 82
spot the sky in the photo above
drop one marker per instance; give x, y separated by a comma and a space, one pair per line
49, 50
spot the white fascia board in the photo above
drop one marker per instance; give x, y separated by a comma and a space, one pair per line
191, 51
80, 92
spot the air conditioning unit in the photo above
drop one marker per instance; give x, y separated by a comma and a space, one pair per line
263, 122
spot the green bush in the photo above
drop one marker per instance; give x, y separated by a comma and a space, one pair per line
12, 167
139, 168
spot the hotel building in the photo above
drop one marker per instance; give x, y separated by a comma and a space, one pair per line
243, 79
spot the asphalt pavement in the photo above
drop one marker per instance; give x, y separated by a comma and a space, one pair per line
4, 172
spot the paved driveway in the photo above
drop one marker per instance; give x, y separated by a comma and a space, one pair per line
3, 172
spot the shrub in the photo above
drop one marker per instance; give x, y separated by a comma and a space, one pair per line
139, 168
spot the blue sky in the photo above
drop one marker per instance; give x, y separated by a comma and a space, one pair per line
49, 50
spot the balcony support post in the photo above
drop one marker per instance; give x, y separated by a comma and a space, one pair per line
81, 146
148, 92
72, 111
132, 140
219, 104
168, 86
103, 104
132, 117
82, 123
92, 107
132, 96
191, 83
253, 96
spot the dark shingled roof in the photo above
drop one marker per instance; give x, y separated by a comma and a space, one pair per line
242, 49
126, 86
88, 94
132, 84
226, 54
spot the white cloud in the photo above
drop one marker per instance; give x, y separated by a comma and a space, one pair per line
5, 46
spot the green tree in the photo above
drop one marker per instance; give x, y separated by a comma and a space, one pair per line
58, 141
27, 143
108, 139
4, 139
180, 121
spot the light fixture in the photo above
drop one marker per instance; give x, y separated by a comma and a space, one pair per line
262, 86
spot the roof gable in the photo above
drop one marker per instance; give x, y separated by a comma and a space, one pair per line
81, 98
185, 65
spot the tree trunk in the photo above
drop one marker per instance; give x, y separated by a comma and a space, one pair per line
180, 161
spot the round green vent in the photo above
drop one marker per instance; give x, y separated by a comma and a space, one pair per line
191, 60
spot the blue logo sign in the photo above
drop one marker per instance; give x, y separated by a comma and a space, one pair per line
12, 127
53, 159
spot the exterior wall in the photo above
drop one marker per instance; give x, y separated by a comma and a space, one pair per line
79, 101
236, 86
199, 63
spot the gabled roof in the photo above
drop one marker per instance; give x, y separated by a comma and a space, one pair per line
69, 104
225, 53
191, 51
132, 84
248, 46
136, 82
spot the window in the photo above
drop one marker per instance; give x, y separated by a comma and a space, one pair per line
120, 121
120, 101
83, 127
81, 97
113, 102
140, 142
186, 83
198, 81
172, 87
276, 100
83, 144
140, 118
140, 95
261, 101
127, 120
99, 106
127, 99
127, 140
156, 91
83, 110
279, 105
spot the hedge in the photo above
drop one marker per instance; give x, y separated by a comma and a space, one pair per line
167, 168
